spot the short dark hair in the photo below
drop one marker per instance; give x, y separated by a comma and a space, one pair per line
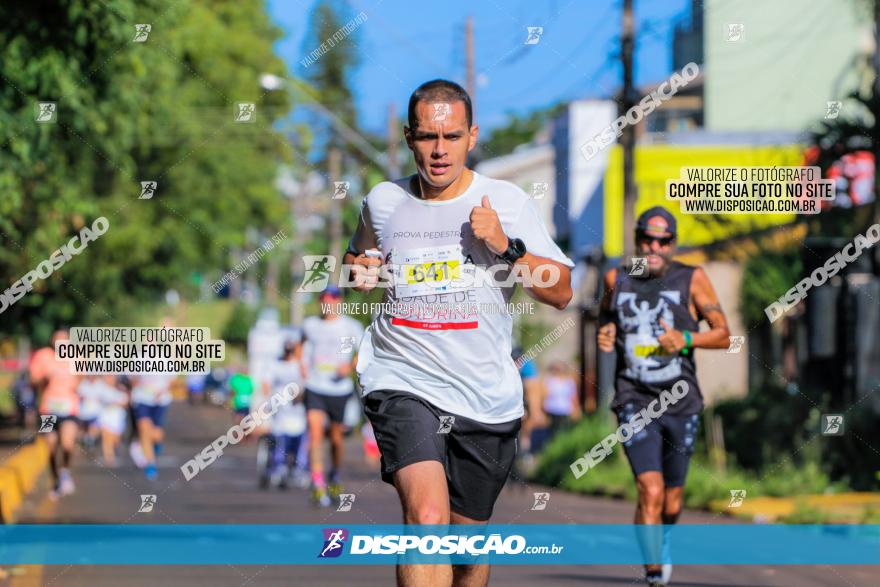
439, 90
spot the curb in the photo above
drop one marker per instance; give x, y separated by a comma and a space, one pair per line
19, 475
772, 508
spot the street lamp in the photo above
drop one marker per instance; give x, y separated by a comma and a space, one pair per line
271, 82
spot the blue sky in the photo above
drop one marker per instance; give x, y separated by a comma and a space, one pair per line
402, 46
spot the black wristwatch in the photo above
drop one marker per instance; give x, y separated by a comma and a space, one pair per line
515, 250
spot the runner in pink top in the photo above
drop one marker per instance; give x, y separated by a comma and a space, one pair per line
58, 408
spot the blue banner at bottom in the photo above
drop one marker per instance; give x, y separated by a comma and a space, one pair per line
520, 544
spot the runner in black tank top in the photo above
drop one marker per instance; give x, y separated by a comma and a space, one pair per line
650, 317
644, 369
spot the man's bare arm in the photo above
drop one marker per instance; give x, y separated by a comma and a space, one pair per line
607, 328
557, 294
709, 309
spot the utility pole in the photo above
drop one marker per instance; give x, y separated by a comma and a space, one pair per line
235, 284
334, 170
296, 314
393, 168
469, 55
875, 102
628, 138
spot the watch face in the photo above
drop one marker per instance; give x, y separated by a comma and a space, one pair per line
515, 250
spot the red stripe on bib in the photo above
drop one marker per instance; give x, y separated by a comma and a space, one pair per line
435, 325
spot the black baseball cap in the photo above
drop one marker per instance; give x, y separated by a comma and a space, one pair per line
655, 229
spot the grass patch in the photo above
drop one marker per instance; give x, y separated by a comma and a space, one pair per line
7, 402
613, 477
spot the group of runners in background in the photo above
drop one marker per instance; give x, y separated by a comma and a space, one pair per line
92, 409
108, 410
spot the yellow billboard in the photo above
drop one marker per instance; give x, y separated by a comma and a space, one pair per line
655, 164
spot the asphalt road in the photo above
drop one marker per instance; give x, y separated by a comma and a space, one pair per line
227, 493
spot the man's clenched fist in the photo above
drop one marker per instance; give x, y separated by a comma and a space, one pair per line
487, 227
671, 340
606, 337
365, 272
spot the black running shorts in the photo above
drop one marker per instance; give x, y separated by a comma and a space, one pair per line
332, 405
477, 457
666, 445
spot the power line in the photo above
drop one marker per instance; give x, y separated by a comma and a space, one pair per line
590, 37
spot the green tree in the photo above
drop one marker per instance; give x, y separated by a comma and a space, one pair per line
333, 30
330, 74
519, 130
128, 112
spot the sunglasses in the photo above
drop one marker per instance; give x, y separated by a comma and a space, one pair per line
646, 238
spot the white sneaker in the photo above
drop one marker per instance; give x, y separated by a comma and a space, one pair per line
301, 479
666, 555
276, 477
137, 454
66, 485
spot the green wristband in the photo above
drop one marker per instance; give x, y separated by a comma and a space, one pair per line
688, 341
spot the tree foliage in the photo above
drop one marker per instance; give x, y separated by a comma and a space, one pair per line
330, 74
160, 110
519, 130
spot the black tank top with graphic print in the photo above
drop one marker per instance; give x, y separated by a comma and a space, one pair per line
643, 368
